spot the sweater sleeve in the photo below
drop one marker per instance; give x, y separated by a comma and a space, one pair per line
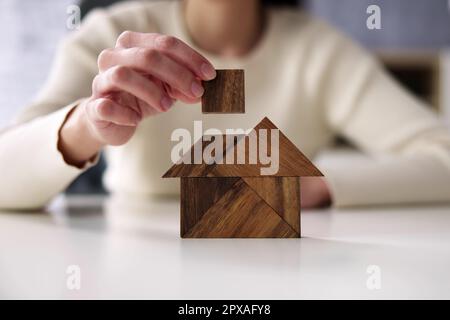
407, 147
31, 167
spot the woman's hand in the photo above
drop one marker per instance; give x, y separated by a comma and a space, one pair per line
314, 192
142, 76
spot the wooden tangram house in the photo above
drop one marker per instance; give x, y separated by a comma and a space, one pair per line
235, 200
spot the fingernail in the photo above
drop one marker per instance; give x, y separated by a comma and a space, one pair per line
166, 103
208, 71
197, 89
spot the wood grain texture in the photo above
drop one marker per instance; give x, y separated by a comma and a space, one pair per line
292, 162
225, 93
241, 213
236, 200
198, 195
282, 194
185, 169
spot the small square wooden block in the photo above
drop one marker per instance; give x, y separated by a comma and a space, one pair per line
225, 93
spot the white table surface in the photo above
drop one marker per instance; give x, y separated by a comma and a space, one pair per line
131, 249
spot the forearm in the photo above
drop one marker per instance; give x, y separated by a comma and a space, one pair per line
361, 180
407, 147
31, 167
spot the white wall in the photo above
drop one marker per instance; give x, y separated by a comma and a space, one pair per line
30, 31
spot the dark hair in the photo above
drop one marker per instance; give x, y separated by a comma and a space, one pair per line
281, 3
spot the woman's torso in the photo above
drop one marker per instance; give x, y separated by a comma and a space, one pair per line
278, 85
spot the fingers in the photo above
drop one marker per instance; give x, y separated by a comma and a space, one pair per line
121, 78
106, 111
157, 64
171, 46
177, 95
154, 68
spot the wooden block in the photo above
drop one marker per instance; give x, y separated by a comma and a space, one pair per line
220, 200
282, 194
240, 213
225, 93
292, 162
197, 196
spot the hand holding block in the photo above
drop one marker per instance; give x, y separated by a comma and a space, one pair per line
225, 93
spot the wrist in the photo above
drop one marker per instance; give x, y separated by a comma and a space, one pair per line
77, 143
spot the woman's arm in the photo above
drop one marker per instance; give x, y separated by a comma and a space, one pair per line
32, 168
408, 148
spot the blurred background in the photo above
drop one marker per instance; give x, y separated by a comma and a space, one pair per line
413, 44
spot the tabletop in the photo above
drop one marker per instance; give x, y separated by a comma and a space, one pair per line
86, 247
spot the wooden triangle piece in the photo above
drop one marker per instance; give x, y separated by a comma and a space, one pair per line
292, 162
197, 195
282, 194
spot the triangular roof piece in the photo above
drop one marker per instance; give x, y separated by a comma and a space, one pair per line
292, 162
